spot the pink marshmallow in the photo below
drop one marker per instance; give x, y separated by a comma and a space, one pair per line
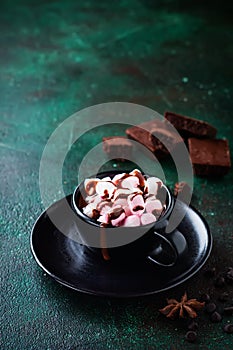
97, 200
130, 182
127, 210
147, 218
90, 186
121, 201
136, 204
124, 204
104, 219
152, 186
140, 177
117, 221
88, 210
121, 193
116, 179
102, 204
105, 189
153, 206
132, 220
105, 209
107, 178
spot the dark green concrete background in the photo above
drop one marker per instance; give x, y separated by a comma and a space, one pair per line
57, 57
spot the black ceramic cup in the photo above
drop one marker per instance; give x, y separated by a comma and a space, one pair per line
130, 244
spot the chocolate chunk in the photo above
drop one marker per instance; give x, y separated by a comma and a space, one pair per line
191, 336
155, 135
142, 136
193, 326
210, 308
228, 310
162, 137
219, 282
209, 157
215, 317
191, 127
118, 147
228, 328
223, 297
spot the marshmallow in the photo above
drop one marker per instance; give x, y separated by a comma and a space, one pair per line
124, 200
140, 177
153, 206
90, 210
130, 182
104, 219
116, 179
132, 220
90, 186
117, 221
136, 204
105, 189
147, 218
121, 193
151, 186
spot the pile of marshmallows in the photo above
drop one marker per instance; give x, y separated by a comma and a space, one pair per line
128, 199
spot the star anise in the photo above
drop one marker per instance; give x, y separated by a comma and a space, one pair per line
184, 308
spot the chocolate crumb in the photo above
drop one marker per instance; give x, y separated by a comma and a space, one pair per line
191, 336
193, 326
229, 275
182, 187
228, 328
215, 317
210, 308
219, 282
228, 310
205, 297
210, 272
223, 297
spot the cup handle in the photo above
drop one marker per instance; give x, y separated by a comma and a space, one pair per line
168, 248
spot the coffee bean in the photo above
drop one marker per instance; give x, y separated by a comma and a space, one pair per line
229, 275
223, 297
210, 272
228, 328
215, 317
205, 297
193, 326
219, 282
210, 308
228, 310
191, 336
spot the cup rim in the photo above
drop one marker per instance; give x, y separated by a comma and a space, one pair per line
93, 222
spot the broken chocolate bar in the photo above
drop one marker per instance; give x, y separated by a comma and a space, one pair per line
190, 127
209, 157
155, 135
118, 147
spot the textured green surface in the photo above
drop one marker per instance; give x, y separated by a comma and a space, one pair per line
57, 57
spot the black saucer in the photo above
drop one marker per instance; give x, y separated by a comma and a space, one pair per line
74, 266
